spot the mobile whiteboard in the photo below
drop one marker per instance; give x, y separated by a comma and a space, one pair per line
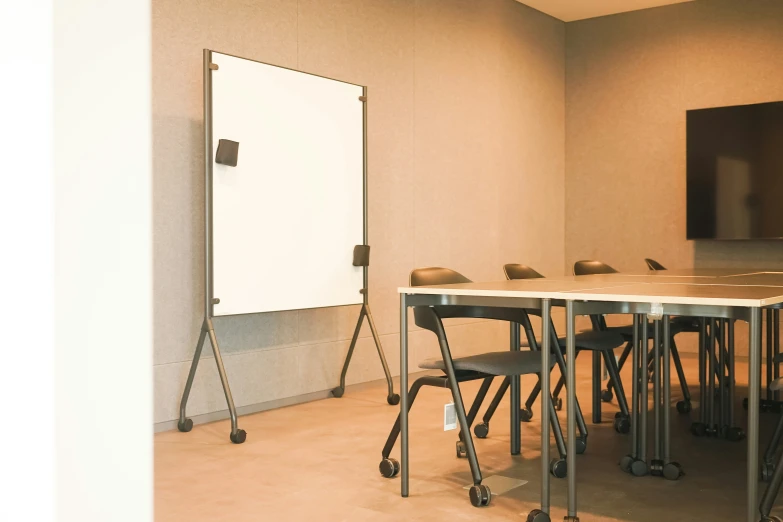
286, 218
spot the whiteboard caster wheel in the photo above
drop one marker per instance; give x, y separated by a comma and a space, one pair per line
480, 495
186, 426
393, 399
389, 467
238, 437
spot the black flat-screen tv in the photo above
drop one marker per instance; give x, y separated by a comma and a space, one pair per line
735, 172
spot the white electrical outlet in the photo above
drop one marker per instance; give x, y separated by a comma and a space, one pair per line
449, 417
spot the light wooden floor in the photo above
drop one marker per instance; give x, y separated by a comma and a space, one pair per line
319, 461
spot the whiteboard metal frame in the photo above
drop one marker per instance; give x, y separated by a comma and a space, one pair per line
237, 435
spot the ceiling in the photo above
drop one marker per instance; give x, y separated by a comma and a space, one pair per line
570, 10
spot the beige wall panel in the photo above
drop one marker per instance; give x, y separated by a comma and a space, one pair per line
466, 169
629, 80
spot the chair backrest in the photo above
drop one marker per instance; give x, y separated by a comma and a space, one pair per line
428, 317
652, 264
587, 267
436, 275
517, 271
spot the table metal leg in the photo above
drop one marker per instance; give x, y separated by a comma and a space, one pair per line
656, 465
404, 469
643, 397
546, 307
722, 426
775, 348
710, 399
671, 470
754, 395
571, 406
769, 353
516, 438
703, 371
631, 462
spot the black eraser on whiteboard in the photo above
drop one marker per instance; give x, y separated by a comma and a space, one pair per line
361, 255
227, 153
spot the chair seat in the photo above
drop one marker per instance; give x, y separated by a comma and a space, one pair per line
676, 326
596, 341
492, 363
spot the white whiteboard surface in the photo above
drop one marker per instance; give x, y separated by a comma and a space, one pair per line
286, 218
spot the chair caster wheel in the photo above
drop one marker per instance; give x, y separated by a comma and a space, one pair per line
389, 467
558, 468
461, 450
558, 402
186, 426
735, 434
581, 445
638, 468
698, 429
525, 414
767, 470
622, 424
338, 392
481, 430
607, 395
684, 406
672, 471
771, 519
393, 399
480, 495
538, 516
238, 437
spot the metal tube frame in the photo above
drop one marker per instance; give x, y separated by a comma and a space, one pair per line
635, 349
546, 403
207, 329
571, 408
754, 395
391, 397
667, 389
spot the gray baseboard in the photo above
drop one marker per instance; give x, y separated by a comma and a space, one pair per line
280, 403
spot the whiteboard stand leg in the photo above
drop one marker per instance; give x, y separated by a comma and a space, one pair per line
392, 398
185, 424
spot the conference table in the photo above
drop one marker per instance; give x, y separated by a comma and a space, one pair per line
734, 294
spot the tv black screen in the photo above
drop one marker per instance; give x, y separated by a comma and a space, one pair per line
735, 172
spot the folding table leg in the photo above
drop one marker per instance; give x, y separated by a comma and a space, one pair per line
754, 384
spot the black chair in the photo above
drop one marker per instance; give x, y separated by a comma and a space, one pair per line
590, 267
679, 324
768, 469
485, 366
584, 341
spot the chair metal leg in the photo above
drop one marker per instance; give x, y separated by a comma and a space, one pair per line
470, 449
771, 493
496, 400
614, 373
480, 396
623, 357
686, 394
596, 388
434, 381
